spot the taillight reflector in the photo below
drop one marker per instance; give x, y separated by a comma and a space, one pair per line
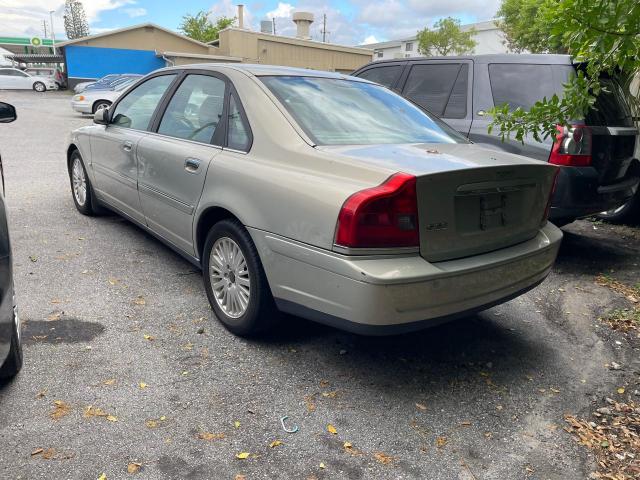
381, 217
572, 146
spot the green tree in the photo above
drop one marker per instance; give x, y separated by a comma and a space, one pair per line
526, 28
75, 20
446, 38
200, 27
603, 33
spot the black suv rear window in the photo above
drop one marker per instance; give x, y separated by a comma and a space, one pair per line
383, 75
522, 85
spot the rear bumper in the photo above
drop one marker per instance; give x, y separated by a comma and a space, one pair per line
379, 296
579, 193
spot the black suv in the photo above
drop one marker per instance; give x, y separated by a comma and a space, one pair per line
599, 170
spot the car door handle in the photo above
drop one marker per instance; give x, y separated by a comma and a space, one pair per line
192, 165
127, 146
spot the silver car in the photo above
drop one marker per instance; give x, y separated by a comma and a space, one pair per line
316, 194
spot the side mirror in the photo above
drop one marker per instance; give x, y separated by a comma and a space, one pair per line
101, 117
7, 113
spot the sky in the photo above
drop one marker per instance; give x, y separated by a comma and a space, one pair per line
349, 22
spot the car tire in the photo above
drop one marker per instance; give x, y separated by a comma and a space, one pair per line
628, 213
99, 105
39, 87
239, 294
13, 362
81, 189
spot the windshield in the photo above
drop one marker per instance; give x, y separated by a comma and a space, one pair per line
123, 85
346, 112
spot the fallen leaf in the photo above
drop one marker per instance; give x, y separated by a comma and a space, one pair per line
163, 418
112, 418
211, 436
311, 406
242, 455
466, 423
420, 406
621, 390
33, 258
133, 467
48, 454
54, 316
37, 451
142, 385
331, 429
275, 443
111, 381
140, 300
383, 458
441, 442
322, 465
92, 411
42, 393
330, 394
102, 477
347, 445
151, 423
60, 409
55, 300
236, 424
240, 477
114, 281
151, 338
324, 383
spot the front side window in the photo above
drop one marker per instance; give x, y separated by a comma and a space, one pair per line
348, 112
238, 131
136, 109
383, 75
409, 46
195, 110
441, 88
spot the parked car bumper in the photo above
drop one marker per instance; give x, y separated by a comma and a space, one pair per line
579, 193
82, 107
380, 296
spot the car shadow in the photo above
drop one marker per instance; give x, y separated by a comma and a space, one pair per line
582, 254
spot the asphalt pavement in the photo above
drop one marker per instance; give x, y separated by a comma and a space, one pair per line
128, 374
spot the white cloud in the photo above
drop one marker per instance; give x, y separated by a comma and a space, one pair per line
370, 39
284, 10
135, 12
24, 17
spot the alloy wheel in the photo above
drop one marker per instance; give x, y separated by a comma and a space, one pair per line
79, 182
230, 278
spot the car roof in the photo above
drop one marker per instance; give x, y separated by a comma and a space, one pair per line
262, 70
536, 58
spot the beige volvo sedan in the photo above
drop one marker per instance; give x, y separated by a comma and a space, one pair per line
316, 194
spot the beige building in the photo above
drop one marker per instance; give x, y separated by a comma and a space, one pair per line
147, 47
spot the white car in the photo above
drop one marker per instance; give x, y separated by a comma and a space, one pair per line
90, 101
15, 79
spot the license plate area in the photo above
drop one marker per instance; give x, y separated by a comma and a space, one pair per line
486, 212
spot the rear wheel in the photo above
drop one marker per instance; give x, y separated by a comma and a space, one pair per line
100, 105
235, 281
627, 213
13, 363
39, 87
81, 189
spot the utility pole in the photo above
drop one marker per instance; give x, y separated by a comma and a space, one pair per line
324, 28
53, 33
273, 19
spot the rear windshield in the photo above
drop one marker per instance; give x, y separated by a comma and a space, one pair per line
346, 112
522, 85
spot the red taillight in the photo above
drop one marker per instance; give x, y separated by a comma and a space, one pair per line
572, 146
383, 216
547, 209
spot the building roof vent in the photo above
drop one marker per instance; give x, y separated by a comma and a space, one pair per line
303, 20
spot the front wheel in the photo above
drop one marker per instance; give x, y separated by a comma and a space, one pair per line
13, 363
100, 105
235, 281
81, 189
39, 87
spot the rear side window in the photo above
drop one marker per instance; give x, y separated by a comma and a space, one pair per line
386, 76
136, 109
612, 107
238, 134
522, 85
195, 109
440, 88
